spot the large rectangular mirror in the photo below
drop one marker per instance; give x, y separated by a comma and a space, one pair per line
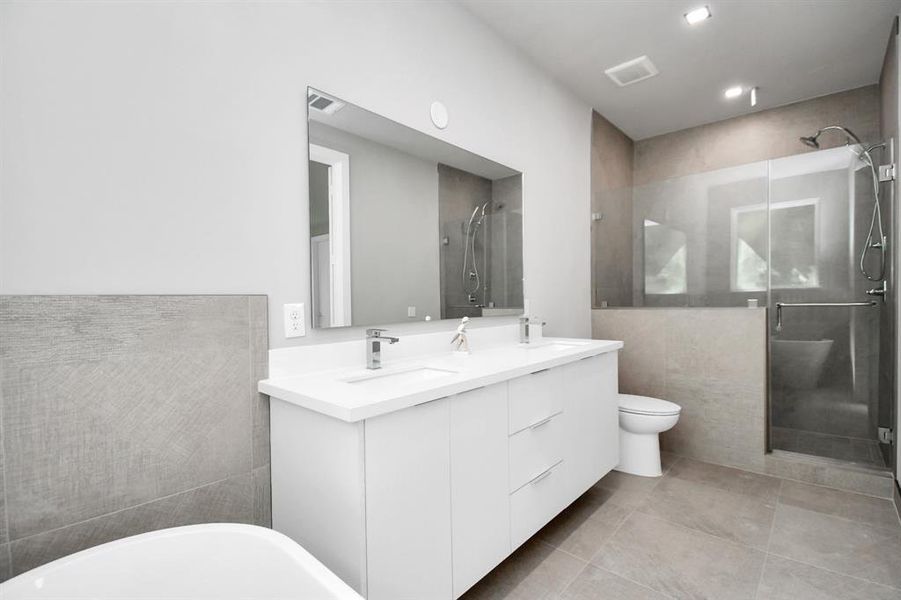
404, 226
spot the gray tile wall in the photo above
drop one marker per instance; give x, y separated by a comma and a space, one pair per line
712, 362
611, 195
125, 414
758, 136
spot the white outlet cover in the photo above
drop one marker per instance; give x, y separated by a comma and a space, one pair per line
295, 322
411, 311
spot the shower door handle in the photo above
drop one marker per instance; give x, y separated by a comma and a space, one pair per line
781, 305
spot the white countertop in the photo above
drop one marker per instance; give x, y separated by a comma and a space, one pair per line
341, 393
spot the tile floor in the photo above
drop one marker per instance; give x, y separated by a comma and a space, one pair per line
705, 531
853, 450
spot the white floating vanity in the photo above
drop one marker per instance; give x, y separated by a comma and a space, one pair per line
415, 480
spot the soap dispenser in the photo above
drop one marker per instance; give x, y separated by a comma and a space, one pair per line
460, 338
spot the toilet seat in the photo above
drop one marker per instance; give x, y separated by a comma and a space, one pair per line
645, 405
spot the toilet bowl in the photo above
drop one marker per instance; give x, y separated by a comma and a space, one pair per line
641, 420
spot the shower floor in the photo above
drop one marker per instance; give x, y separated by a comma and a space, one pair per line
852, 450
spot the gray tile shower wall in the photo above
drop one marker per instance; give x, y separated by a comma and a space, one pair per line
763, 135
712, 362
125, 414
611, 199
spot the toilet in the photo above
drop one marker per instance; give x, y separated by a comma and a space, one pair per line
641, 420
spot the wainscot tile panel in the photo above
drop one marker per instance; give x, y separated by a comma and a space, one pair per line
6, 567
124, 414
259, 365
228, 501
712, 362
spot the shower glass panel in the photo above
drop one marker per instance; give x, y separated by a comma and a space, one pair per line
701, 240
825, 359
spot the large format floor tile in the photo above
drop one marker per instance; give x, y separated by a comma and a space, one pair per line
679, 561
585, 524
742, 518
630, 491
785, 579
534, 572
877, 512
727, 479
711, 532
597, 584
837, 544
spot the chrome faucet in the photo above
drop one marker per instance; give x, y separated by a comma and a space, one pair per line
374, 339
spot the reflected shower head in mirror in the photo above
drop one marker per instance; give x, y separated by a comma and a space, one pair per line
811, 141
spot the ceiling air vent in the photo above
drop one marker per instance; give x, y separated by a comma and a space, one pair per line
632, 71
323, 103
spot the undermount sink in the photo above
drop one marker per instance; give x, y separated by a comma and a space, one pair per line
394, 378
553, 346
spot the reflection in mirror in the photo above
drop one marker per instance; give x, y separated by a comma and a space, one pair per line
404, 226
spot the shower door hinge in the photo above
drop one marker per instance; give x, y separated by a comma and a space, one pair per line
886, 435
887, 172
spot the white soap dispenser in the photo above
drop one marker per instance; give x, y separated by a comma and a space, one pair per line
460, 338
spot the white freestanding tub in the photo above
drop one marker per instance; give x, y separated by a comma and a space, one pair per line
221, 561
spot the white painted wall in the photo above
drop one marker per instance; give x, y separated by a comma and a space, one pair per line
160, 147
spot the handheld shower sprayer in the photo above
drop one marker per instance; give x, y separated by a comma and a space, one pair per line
872, 242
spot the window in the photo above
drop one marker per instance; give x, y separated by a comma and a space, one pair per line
665, 259
793, 250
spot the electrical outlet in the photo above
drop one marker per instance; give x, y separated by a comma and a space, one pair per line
295, 326
411, 311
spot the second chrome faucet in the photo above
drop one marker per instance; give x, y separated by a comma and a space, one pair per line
374, 339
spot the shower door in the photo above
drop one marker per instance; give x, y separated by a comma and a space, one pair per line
824, 359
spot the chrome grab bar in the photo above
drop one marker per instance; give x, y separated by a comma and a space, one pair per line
781, 305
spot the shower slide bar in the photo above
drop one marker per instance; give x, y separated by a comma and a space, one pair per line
781, 305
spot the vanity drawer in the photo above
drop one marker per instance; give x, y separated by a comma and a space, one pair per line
535, 397
535, 449
536, 503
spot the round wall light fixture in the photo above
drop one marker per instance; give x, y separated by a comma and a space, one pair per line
439, 114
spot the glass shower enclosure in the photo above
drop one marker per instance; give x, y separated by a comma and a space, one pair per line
824, 327
786, 234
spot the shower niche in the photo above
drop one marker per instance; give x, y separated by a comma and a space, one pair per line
404, 226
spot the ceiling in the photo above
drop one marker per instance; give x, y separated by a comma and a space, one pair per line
791, 49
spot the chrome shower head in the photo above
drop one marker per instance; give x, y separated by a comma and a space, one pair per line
850, 137
811, 141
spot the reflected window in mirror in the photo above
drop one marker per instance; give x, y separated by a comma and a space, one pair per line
793, 261
665, 258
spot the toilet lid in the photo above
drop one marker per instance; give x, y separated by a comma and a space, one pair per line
645, 405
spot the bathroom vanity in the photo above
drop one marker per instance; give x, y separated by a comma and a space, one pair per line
415, 480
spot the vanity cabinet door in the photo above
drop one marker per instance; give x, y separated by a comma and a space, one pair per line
408, 496
592, 413
480, 502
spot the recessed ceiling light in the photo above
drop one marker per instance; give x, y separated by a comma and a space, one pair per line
733, 92
697, 15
